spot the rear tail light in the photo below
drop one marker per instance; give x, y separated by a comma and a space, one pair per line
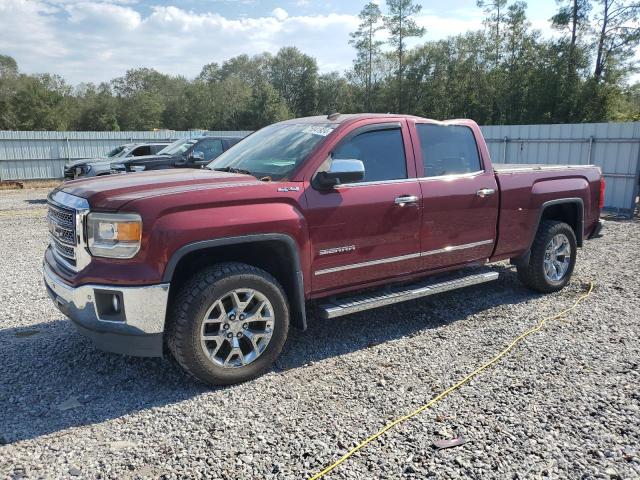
602, 189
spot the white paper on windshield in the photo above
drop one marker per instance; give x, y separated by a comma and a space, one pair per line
316, 130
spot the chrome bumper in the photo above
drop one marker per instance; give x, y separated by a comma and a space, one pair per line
137, 330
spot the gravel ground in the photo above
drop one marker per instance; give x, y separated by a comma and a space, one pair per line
565, 404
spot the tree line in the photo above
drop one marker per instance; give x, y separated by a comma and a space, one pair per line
505, 73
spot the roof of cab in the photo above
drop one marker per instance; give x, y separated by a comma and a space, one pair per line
344, 118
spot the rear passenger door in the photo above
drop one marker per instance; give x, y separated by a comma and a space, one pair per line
460, 196
367, 231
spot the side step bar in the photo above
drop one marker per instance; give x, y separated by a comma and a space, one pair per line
337, 307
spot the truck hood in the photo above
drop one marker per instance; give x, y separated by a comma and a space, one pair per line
82, 161
143, 158
111, 192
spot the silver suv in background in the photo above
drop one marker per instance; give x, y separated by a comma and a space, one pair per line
92, 167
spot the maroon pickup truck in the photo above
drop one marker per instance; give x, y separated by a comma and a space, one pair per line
324, 215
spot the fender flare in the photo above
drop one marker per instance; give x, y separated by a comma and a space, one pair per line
297, 302
524, 258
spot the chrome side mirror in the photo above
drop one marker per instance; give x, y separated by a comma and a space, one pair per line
196, 157
341, 171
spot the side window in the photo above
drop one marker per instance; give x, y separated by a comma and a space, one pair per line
139, 151
210, 147
448, 149
156, 148
381, 151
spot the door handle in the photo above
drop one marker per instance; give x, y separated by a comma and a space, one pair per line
485, 192
404, 199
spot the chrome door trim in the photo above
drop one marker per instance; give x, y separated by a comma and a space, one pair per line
367, 264
453, 176
456, 247
401, 258
375, 182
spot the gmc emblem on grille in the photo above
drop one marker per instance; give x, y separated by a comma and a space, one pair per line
55, 230
58, 232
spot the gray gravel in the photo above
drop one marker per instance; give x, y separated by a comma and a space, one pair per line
565, 404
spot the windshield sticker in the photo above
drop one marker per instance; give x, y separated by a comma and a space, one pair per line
315, 130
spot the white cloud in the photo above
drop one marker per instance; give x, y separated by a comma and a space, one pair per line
98, 40
280, 13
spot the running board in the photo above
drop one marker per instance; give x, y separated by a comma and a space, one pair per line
337, 307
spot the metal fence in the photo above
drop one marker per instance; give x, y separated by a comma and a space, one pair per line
42, 155
614, 147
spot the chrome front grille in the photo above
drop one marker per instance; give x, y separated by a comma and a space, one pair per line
62, 216
62, 228
66, 219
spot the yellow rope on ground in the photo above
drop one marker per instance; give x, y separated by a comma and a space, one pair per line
494, 360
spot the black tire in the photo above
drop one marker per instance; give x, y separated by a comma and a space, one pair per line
192, 303
533, 274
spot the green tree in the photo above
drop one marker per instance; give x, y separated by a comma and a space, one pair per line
334, 94
572, 18
142, 110
294, 75
265, 106
8, 88
618, 36
8, 66
210, 73
97, 109
42, 102
495, 14
251, 70
368, 49
401, 26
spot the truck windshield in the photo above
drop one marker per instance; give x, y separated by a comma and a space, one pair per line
115, 151
273, 151
178, 147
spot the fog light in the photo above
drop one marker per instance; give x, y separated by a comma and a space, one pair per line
115, 303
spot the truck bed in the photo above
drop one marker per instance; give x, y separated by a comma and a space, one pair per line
526, 188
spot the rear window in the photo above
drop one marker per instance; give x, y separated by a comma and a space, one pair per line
448, 149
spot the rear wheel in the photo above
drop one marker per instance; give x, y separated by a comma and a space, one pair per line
553, 256
229, 323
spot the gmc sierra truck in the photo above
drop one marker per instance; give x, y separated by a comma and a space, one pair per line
321, 215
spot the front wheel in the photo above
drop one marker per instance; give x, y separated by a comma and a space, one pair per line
553, 256
229, 323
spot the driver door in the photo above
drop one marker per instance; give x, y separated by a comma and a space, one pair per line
369, 230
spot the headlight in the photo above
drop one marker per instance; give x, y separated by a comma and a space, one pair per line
114, 235
137, 168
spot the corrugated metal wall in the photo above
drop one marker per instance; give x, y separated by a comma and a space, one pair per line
42, 155
614, 147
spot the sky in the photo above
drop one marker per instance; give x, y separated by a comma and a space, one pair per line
94, 41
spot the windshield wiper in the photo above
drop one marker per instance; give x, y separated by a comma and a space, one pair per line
233, 170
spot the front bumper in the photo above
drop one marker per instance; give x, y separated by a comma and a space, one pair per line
137, 329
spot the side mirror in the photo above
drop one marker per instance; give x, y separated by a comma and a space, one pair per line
341, 171
196, 157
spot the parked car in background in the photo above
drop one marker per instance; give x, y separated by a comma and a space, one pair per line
92, 167
332, 215
185, 153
